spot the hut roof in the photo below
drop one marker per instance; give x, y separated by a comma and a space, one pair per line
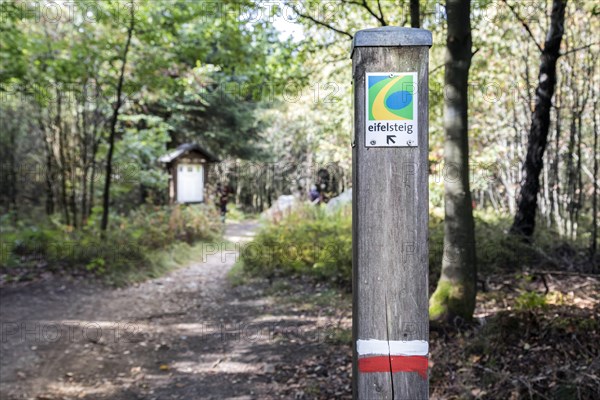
187, 148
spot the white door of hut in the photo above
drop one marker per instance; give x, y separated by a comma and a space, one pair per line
190, 183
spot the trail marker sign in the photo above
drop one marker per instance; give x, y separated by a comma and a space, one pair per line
392, 106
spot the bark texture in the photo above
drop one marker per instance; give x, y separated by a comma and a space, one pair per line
524, 222
455, 294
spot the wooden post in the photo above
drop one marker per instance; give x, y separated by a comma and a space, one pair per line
390, 213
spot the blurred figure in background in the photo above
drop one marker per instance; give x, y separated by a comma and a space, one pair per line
222, 199
314, 195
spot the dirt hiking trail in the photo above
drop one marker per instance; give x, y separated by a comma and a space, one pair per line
186, 335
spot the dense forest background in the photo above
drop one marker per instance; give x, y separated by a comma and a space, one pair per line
92, 94
271, 89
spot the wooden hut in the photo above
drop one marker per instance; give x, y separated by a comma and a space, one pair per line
188, 167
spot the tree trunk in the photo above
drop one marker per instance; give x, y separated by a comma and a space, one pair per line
13, 172
555, 193
49, 178
95, 144
84, 153
415, 20
71, 157
62, 158
524, 222
594, 242
570, 192
456, 290
113, 126
49, 170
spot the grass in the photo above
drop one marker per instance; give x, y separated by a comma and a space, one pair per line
307, 242
237, 275
236, 214
159, 263
155, 264
310, 242
144, 244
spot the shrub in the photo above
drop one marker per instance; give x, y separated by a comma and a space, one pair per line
157, 227
308, 242
130, 244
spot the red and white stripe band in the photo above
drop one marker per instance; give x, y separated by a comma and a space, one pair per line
393, 356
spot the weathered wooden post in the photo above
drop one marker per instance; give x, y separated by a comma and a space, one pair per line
390, 213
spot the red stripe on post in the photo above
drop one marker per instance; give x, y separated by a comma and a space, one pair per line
416, 364
374, 364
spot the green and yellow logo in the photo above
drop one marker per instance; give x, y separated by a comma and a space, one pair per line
390, 97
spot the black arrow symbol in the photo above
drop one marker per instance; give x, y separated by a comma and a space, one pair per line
390, 138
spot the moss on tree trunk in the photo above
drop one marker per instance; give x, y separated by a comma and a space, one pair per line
455, 294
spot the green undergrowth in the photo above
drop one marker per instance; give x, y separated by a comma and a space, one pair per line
307, 242
143, 244
497, 251
237, 275
313, 243
157, 263
237, 214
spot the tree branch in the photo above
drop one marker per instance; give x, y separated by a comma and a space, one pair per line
380, 11
364, 5
437, 69
522, 21
578, 49
321, 23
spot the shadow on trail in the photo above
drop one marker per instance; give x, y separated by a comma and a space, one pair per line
186, 335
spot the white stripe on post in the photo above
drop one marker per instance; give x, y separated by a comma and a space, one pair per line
393, 347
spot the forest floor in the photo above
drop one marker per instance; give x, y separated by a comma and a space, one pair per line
191, 334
